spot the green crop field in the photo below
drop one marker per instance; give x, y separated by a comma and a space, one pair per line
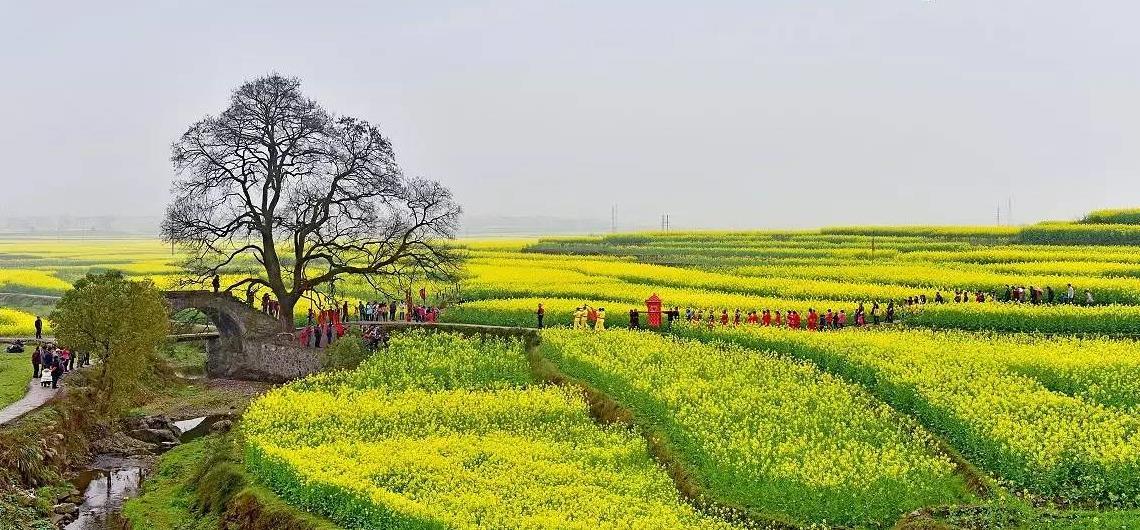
966, 414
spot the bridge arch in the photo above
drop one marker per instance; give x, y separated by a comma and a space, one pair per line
250, 345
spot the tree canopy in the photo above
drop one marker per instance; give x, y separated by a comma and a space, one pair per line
308, 196
119, 322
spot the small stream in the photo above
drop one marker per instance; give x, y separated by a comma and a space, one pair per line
111, 480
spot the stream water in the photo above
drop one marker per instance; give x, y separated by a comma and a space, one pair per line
111, 480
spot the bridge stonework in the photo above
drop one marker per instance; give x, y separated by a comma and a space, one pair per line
252, 346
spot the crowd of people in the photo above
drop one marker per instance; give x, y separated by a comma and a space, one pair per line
586, 317
50, 363
380, 312
791, 318
323, 328
1019, 294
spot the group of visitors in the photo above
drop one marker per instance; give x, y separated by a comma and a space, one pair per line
793, 319
50, 363
376, 311
323, 328
372, 337
960, 297
395, 311
320, 335
1013, 293
586, 317
270, 306
1033, 295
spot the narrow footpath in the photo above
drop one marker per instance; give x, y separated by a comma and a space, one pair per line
35, 397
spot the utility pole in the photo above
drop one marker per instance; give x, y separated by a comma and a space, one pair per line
613, 218
1009, 212
997, 216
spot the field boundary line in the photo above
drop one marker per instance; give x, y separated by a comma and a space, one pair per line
606, 410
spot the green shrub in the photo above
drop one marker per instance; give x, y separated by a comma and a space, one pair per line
346, 353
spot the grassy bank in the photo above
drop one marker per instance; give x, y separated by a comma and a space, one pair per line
203, 485
15, 372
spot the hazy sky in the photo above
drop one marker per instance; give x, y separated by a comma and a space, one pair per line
724, 114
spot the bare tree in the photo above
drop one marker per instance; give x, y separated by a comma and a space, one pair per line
311, 197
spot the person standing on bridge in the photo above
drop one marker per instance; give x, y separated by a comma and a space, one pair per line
217, 283
39, 328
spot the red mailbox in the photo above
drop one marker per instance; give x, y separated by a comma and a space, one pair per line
653, 309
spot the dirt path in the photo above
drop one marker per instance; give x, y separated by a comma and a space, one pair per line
35, 397
26, 340
45, 297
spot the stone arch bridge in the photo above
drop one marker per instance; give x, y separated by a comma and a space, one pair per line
251, 345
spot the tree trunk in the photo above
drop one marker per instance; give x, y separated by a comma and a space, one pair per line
288, 304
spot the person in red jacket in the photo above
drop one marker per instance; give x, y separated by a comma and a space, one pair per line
779, 319
813, 320
752, 317
767, 320
724, 317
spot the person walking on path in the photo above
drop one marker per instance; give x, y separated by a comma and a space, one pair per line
635, 319
540, 313
39, 328
36, 356
217, 282
56, 372
1071, 294
600, 321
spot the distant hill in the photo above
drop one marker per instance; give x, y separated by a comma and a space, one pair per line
80, 226
1125, 216
532, 225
